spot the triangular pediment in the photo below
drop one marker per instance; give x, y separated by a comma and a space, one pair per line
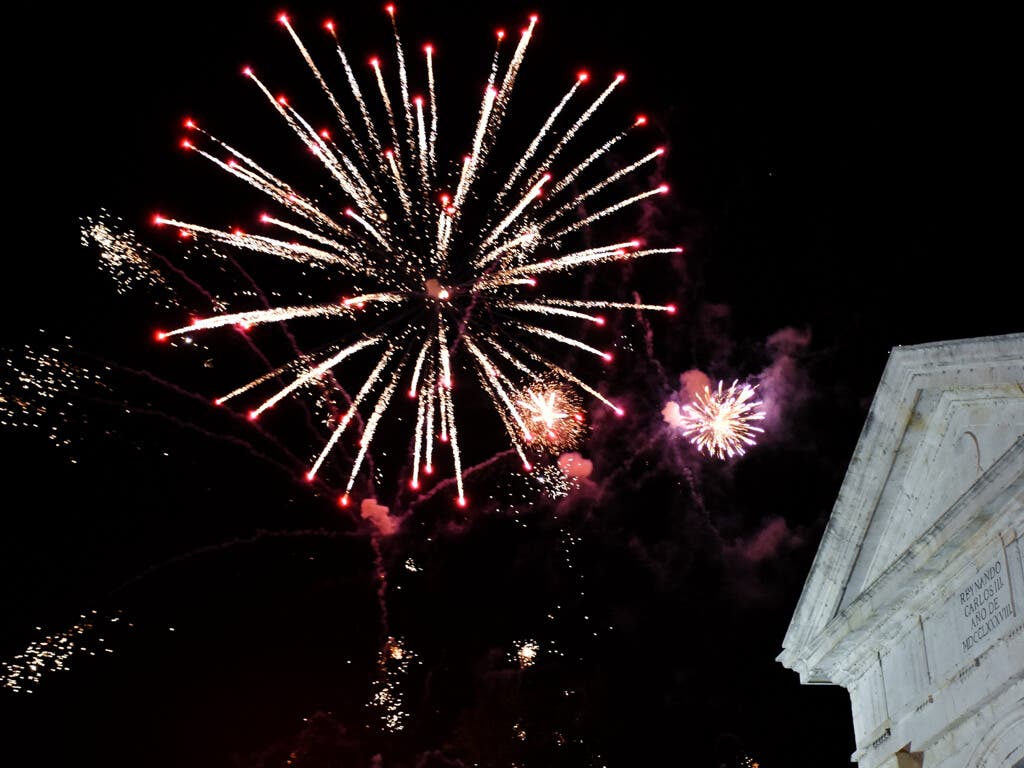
953, 436
944, 414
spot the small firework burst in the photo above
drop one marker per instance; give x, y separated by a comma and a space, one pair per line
552, 416
525, 653
720, 422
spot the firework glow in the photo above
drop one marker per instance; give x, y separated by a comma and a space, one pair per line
445, 270
720, 423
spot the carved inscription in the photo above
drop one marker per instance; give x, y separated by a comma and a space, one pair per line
984, 605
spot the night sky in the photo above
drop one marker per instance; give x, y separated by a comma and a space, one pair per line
830, 180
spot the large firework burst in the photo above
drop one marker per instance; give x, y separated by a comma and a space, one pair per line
429, 281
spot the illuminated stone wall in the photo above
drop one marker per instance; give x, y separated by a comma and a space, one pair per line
915, 600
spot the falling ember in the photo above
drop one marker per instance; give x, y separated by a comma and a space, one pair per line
432, 281
720, 423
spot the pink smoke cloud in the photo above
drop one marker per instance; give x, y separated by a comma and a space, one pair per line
788, 341
574, 465
378, 515
773, 540
690, 383
784, 385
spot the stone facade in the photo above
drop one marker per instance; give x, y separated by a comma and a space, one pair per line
915, 600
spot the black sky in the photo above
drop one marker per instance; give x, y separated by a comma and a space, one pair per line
832, 177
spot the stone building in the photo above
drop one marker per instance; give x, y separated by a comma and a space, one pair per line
915, 600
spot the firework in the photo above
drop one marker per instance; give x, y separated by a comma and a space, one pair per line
129, 263
449, 288
392, 665
53, 653
720, 423
555, 483
525, 654
41, 391
552, 415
